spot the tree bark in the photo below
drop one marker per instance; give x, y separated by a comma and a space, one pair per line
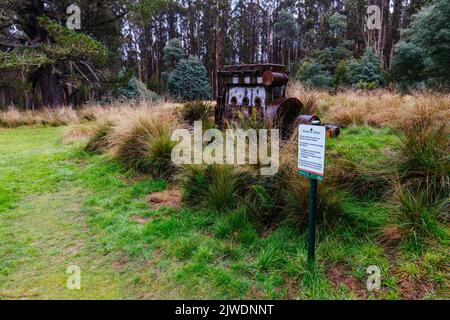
51, 89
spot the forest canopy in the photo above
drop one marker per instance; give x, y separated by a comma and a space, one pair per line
159, 45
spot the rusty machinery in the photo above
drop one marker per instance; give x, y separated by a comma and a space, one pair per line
260, 90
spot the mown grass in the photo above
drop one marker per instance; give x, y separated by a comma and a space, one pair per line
188, 253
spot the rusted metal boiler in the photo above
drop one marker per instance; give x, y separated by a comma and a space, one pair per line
258, 90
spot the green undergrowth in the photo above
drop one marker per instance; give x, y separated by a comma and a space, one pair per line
195, 253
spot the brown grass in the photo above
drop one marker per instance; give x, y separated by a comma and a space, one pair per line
380, 108
12, 117
79, 131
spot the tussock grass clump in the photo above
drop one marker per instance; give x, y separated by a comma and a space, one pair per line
236, 226
160, 155
413, 218
78, 131
308, 97
423, 160
97, 112
196, 111
363, 182
12, 118
217, 187
99, 140
140, 140
295, 202
420, 196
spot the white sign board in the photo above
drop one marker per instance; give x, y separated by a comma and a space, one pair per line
311, 149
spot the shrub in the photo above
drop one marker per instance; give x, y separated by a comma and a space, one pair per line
313, 73
340, 74
136, 90
408, 65
189, 81
173, 53
366, 70
155, 85
427, 37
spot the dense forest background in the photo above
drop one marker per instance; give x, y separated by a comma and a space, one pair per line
130, 49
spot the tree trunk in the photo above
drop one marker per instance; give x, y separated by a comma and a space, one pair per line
51, 89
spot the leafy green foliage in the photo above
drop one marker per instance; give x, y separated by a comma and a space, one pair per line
136, 90
69, 44
338, 25
148, 8
313, 73
340, 75
433, 20
189, 81
426, 44
286, 28
408, 64
365, 72
173, 53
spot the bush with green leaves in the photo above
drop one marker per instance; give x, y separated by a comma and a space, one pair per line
173, 53
189, 81
136, 90
155, 85
338, 25
340, 74
366, 72
409, 64
313, 73
427, 43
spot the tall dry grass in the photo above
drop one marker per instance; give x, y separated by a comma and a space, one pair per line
12, 117
379, 108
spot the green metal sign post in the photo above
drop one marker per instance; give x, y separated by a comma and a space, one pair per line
312, 205
312, 208
311, 163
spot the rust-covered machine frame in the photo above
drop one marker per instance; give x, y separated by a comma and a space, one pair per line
256, 90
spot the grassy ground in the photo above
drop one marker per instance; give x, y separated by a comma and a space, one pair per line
60, 206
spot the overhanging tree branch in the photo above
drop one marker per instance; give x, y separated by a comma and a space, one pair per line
120, 16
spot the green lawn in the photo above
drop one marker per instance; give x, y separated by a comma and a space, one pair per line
60, 206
